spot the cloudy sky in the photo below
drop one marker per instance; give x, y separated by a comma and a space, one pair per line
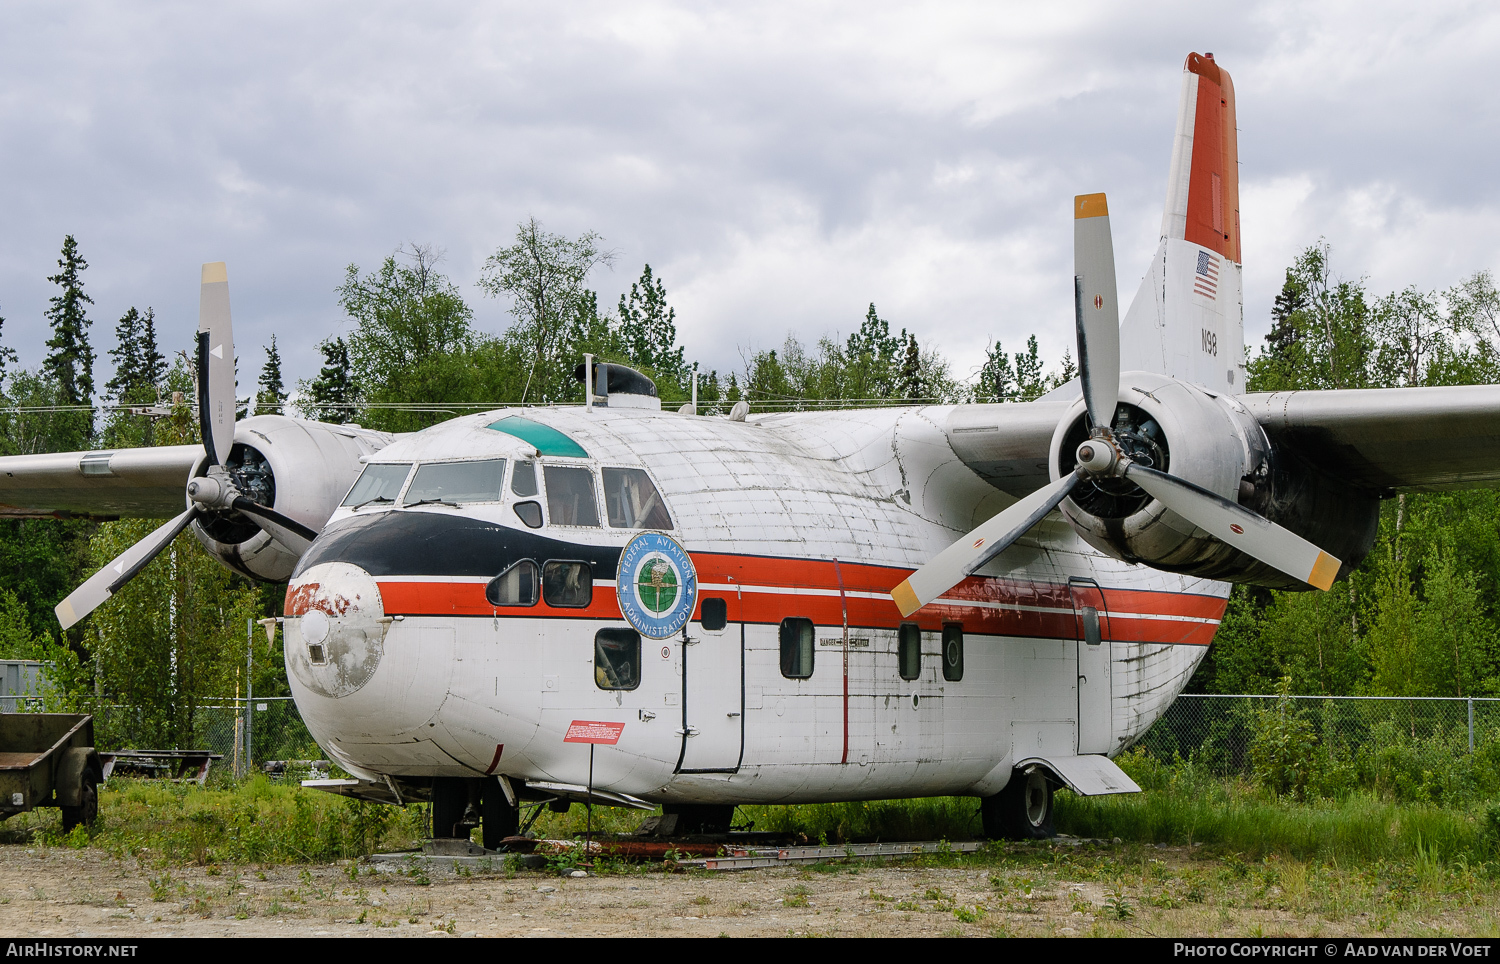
779, 165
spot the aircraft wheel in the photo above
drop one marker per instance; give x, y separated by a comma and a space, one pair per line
497, 819
450, 796
1022, 811
701, 818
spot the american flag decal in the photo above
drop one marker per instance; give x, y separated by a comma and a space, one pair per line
1206, 280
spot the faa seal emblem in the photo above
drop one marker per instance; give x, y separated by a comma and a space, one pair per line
656, 585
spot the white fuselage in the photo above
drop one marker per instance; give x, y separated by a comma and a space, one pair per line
802, 516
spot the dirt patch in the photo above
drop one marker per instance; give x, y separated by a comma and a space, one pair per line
58, 892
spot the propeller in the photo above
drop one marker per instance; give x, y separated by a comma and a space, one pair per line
213, 492
1097, 315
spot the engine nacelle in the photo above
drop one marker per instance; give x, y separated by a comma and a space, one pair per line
1211, 441
300, 469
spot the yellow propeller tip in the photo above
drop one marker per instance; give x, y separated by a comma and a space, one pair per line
1324, 571
906, 600
1090, 206
215, 272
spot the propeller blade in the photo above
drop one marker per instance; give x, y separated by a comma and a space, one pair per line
1096, 308
1237, 526
215, 364
991, 538
289, 532
107, 581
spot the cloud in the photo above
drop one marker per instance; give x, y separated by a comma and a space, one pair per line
780, 165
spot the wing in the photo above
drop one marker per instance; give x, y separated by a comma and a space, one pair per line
1007, 445
1423, 439
144, 483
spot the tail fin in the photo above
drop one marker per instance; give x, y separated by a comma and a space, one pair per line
1187, 319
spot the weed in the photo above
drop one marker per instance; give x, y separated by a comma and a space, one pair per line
1117, 907
161, 886
969, 915
908, 905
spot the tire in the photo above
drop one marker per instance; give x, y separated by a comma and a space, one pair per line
1022, 811
88, 809
449, 798
497, 818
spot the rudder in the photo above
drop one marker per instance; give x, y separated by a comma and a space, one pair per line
1187, 319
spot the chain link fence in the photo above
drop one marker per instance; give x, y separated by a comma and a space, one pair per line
1218, 731
247, 733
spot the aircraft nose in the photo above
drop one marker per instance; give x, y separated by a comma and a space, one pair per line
335, 628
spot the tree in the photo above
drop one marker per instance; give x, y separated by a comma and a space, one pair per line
543, 274
331, 396
139, 370
70, 362
270, 397
648, 329
7, 357
873, 357
1322, 333
411, 337
1031, 380
997, 379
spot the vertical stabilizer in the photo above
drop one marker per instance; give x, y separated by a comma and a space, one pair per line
1187, 319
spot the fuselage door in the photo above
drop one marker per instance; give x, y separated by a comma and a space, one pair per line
1095, 719
713, 690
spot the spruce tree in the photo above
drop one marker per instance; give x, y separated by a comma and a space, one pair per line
648, 329
333, 391
270, 398
7, 356
71, 361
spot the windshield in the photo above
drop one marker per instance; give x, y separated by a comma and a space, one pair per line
632, 500
457, 482
378, 483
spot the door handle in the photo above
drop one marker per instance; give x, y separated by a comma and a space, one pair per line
690, 731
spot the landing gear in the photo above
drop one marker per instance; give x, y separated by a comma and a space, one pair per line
695, 818
459, 804
1022, 811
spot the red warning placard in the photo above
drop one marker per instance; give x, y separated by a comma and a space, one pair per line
591, 731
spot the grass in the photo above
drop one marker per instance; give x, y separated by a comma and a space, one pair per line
263, 822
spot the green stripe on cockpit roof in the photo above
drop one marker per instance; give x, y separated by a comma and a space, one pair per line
548, 440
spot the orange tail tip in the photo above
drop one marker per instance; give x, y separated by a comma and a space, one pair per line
1212, 206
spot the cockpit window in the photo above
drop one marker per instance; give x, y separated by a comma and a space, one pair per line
570, 496
457, 482
633, 502
378, 484
523, 479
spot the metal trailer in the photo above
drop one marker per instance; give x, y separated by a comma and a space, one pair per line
49, 760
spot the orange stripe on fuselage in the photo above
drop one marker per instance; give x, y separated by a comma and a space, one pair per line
771, 589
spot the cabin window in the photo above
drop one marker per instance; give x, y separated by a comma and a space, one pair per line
714, 615
523, 479
797, 648
632, 501
378, 484
515, 586
570, 496
530, 513
457, 482
567, 585
909, 651
953, 652
617, 659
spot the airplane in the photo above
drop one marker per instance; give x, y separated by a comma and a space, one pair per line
617, 603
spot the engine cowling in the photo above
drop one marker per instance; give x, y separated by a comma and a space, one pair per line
301, 469
1213, 442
